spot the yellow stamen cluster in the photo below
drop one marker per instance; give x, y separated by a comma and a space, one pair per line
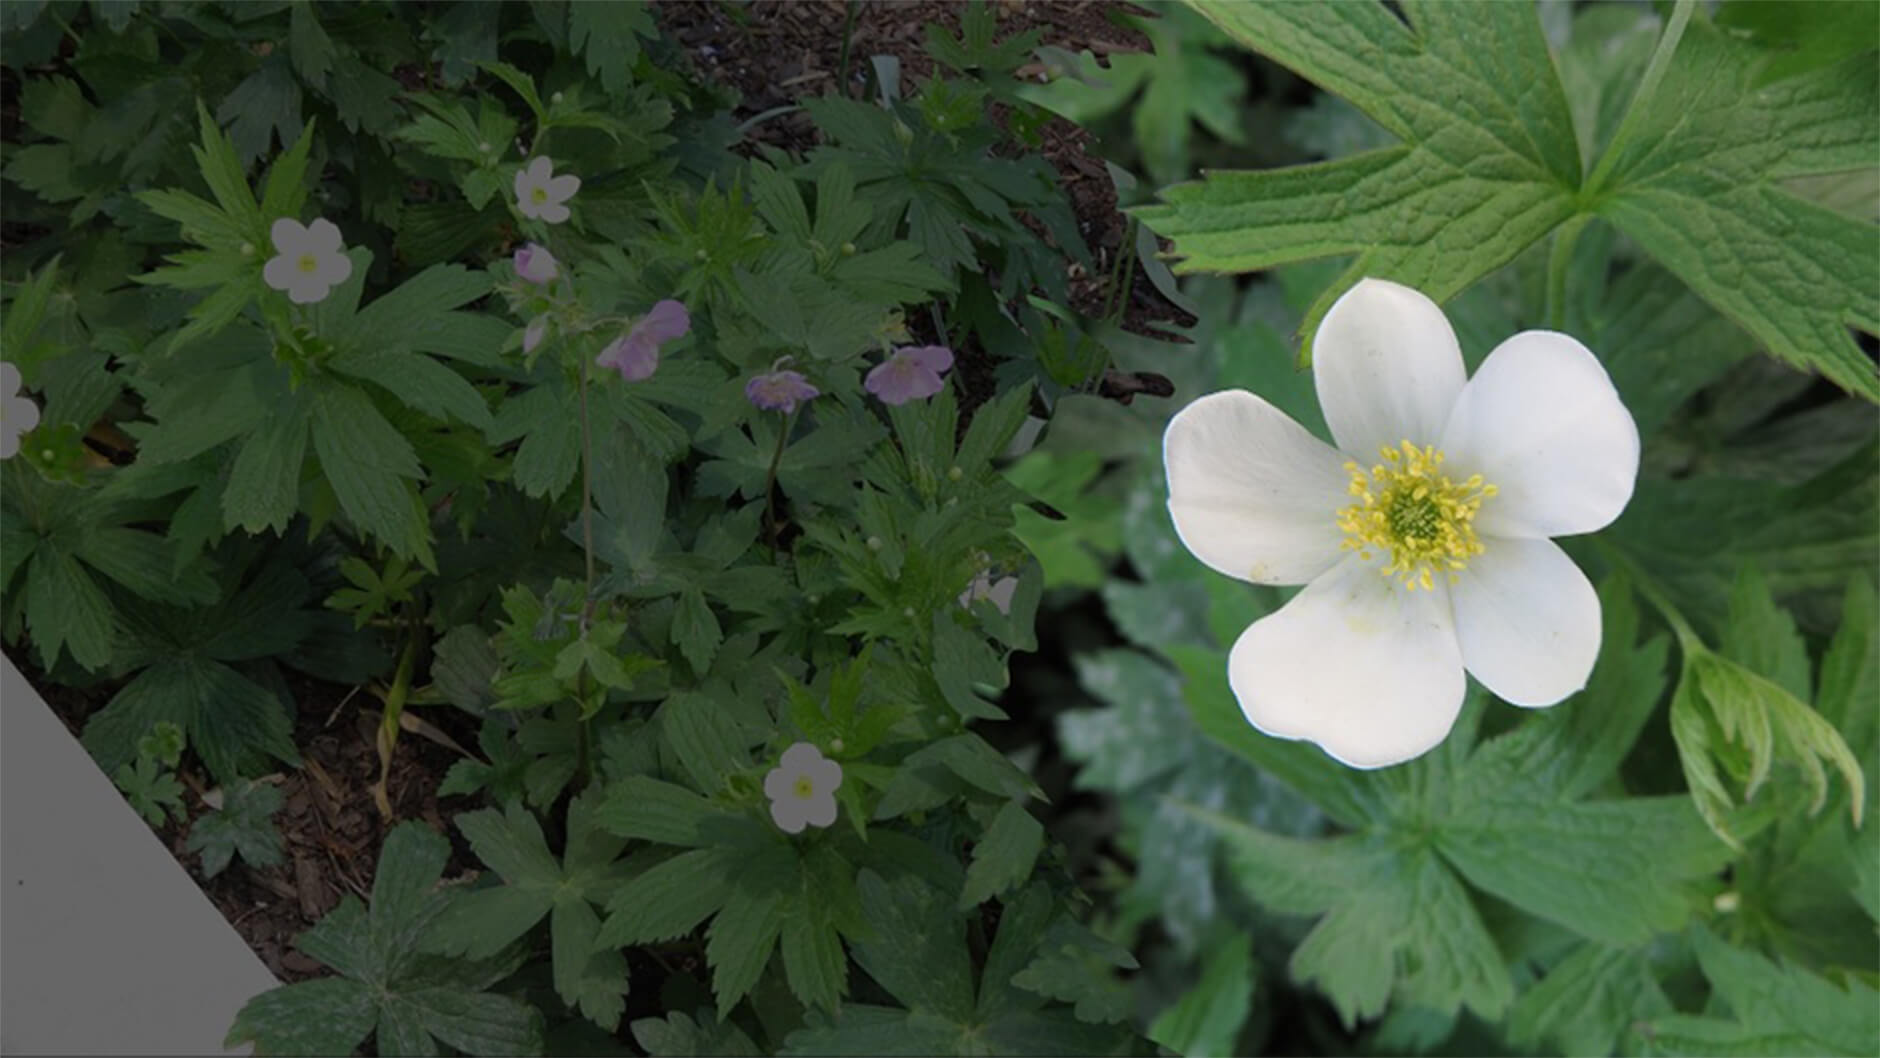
803, 787
1405, 506
308, 263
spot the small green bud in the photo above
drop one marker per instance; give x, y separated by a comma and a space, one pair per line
248, 249
835, 745
848, 249
954, 473
875, 543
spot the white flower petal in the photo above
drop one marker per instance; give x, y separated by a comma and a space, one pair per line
22, 414
305, 288
1252, 494
552, 212
280, 272
1360, 665
288, 235
323, 237
1387, 368
799, 758
1002, 593
1528, 621
825, 776
10, 380
1542, 423
333, 269
788, 815
777, 783
820, 811
562, 188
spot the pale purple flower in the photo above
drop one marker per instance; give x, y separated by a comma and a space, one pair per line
636, 354
912, 373
309, 260
780, 391
535, 264
802, 789
533, 335
18, 414
541, 194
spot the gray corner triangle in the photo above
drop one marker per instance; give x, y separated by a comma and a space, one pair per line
107, 947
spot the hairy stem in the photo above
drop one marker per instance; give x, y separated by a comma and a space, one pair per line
587, 501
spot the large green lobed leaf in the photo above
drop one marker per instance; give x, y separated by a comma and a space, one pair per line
1696, 172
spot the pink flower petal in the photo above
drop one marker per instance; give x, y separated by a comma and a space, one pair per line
663, 322
935, 358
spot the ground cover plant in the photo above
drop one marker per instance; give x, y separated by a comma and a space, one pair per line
809, 529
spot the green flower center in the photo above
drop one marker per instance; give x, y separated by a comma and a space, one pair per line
539, 196
1407, 507
308, 263
803, 788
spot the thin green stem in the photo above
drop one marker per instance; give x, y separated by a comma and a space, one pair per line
587, 500
1652, 592
1124, 252
848, 34
1559, 262
1647, 87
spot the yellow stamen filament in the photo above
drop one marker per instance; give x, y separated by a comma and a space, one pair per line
308, 263
538, 195
804, 788
1407, 508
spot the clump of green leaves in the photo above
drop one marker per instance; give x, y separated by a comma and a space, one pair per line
386, 987
147, 782
243, 824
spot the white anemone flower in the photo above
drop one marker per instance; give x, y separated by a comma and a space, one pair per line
18, 413
802, 789
1422, 539
541, 194
309, 261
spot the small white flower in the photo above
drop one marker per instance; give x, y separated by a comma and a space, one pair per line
1425, 551
309, 260
18, 413
541, 194
802, 789
984, 587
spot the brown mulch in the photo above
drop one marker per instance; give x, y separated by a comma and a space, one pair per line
329, 825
